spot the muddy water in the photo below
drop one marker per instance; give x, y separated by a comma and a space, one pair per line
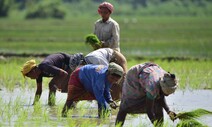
179, 101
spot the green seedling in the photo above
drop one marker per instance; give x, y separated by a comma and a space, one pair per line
193, 114
93, 40
188, 119
190, 123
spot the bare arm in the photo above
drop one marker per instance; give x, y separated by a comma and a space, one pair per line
63, 74
56, 72
163, 103
38, 93
121, 60
150, 109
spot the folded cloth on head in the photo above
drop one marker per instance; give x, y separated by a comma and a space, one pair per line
28, 66
75, 60
168, 83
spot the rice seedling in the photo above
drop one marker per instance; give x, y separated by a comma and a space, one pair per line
21, 118
193, 114
37, 109
188, 119
190, 123
8, 114
13, 113
93, 40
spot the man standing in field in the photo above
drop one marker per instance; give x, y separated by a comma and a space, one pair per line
58, 66
104, 56
93, 82
107, 29
144, 91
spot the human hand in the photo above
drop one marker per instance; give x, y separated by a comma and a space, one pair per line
113, 104
63, 72
172, 115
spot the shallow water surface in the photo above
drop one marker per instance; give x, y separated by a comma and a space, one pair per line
190, 100
86, 112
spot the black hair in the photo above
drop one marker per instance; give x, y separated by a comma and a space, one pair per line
116, 75
172, 75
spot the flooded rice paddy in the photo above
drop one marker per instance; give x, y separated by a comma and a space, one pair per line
16, 110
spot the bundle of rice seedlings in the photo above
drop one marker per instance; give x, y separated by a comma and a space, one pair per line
93, 40
193, 114
190, 123
188, 118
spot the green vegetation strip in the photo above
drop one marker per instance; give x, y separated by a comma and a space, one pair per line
145, 37
192, 74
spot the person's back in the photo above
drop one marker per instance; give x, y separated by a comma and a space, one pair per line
52, 64
99, 56
142, 79
93, 77
91, 82
144, 91
104, 56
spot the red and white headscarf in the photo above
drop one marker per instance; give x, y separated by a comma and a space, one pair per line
109, 6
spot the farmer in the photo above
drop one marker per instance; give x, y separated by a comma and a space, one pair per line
58, 66
104, 56
93, 82
144, 91
107, 29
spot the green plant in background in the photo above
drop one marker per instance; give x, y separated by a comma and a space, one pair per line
177, 37
190, 74
46, 9
4, 7
125, 7
93, 40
